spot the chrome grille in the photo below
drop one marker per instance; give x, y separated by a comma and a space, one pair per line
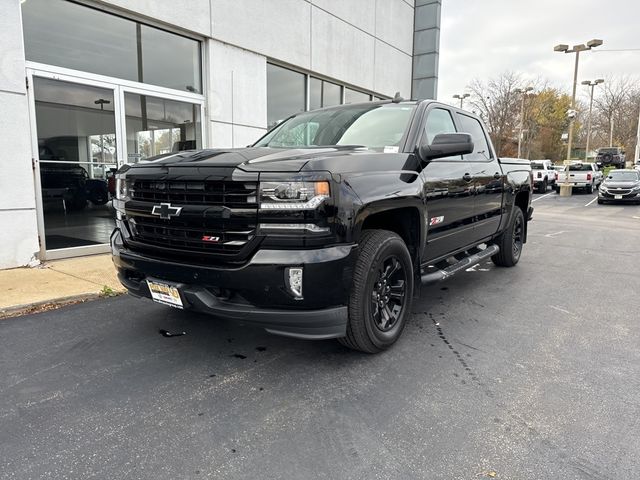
619, 191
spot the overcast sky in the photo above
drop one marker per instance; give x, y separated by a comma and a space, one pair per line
481, 38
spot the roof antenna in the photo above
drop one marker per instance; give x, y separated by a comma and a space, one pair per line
397, 98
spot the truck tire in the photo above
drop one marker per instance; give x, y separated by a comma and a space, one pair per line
543, 186
600, 202
381, 292
557, 189
511, 241
589, 188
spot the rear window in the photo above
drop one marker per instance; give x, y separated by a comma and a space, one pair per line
537, 166
580, 168
608, 150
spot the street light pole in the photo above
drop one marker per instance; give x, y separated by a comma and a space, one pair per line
461, 97
577, 49
566, 188
591, 84
522, 93
611, 130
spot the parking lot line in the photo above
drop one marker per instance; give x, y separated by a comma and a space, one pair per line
536, 199
594, 199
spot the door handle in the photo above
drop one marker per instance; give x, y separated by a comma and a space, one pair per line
497, 176
467, 177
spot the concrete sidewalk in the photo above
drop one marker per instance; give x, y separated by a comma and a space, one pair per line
57, 282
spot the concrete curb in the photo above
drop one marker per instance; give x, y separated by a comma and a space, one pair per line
18, 310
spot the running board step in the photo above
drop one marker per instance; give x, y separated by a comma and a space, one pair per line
463, 264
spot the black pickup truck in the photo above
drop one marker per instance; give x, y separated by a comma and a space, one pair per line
326, 227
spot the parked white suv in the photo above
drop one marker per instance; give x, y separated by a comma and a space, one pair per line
544, 174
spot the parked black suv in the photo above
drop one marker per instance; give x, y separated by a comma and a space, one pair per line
328, 224
610, 156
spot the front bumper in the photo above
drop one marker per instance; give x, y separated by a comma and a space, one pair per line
629, 197
255, 292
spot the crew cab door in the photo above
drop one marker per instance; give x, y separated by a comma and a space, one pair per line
487, 176
448, 190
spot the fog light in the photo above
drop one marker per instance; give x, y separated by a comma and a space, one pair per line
293, 279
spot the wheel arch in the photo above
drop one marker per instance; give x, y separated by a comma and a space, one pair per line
407, 221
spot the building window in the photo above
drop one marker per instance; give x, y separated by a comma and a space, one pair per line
354, 96
66, 34
158, 125
286, 93
323, 93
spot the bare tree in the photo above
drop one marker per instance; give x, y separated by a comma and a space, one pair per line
498, 104
616, 109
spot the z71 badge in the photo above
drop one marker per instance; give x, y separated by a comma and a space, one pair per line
436, 221
209, 238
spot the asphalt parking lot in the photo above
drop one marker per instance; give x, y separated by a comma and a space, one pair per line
524, 373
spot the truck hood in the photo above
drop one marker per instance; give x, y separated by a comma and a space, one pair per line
258, 159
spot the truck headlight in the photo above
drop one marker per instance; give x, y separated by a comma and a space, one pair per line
293, 195
122, 188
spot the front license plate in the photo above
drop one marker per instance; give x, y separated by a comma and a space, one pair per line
618, 197
165, 294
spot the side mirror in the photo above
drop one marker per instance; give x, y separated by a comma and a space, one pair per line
446, 145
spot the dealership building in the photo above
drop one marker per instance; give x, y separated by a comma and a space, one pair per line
87, 86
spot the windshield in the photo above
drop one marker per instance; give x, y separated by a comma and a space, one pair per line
620, 176
372, 126
537, 166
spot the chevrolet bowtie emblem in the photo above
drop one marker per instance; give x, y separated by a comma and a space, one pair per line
166, 211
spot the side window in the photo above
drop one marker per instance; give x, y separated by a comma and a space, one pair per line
438, 121
472, 126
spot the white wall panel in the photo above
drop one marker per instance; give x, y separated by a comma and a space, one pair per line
360, 13
224, 135
193, 15
220, 135
16, 180
341, 51
278, 29
243, 136
392, 71
237, 85
394, 24
11, 47
19, 237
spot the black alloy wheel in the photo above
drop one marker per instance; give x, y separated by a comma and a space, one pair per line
511, 240
381, 292
388, 295
518, 236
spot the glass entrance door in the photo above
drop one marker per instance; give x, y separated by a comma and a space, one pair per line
77, 152
85, 129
